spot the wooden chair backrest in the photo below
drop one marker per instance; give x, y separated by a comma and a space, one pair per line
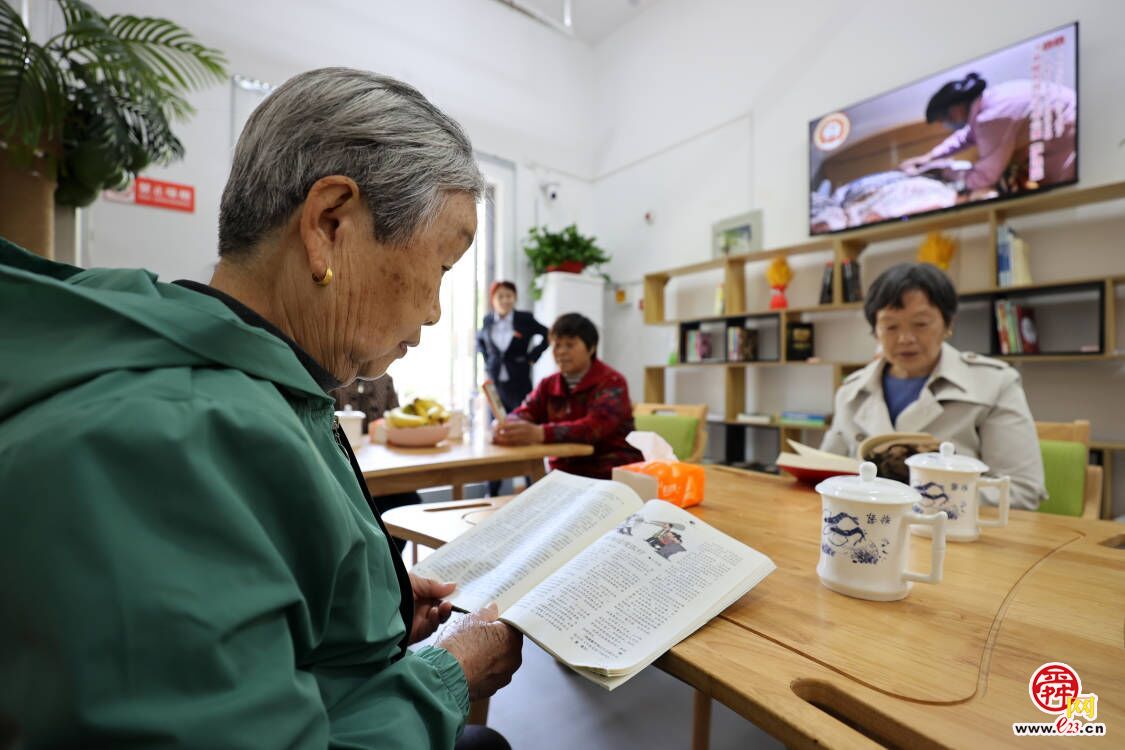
1077, 431
699, 411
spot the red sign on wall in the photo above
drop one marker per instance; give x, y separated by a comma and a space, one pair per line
149, 192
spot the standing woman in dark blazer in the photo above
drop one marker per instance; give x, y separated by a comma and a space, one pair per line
505, 341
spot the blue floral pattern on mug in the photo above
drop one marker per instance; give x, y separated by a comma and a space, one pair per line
935, 498
845, 533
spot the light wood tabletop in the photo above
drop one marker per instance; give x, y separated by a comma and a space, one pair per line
948, 666
435, 524
390, 469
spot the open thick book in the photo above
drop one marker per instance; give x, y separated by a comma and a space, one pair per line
603, 581
888, 452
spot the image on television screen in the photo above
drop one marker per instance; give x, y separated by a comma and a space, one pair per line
1003, 125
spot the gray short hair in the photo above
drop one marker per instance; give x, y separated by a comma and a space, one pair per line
405, 154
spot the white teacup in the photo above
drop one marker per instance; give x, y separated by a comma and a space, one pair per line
864, 544
951, 483
351, 421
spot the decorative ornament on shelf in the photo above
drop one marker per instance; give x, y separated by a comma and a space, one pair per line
89, 109
566, 251
937, 249
779, 274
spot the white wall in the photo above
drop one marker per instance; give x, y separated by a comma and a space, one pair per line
686, 66
520, 90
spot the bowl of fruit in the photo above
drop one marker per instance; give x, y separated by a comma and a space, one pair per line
420, 424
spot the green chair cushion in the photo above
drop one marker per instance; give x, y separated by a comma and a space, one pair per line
1064, 469
677, 430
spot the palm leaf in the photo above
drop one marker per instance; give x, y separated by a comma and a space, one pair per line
123, 122
31, 88
169, 50
104, 89
139, 54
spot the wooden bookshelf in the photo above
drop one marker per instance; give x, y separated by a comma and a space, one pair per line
749, 363
849, 245
758, 363
1043, 286
1023, 358
834, 307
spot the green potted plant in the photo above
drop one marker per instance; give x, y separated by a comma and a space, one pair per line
88, 109
566, 251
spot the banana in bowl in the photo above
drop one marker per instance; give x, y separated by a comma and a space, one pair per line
422, 422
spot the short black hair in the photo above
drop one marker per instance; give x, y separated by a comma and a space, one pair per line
896, 281
577, 325
955, 92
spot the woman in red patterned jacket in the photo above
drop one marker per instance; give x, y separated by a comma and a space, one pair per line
586, 402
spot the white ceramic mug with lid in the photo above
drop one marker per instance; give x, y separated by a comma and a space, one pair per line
864, 539
951, 483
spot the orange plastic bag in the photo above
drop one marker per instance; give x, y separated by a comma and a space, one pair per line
679, 483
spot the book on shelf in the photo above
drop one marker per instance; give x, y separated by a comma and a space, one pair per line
691, 346
1029, 332
853, 288
707, 343
1008, 329
1020, 267
802, 419
799, 341
742, 344
888, 452
756, 418
1001, 327
1013, 327
1013, 267
704, 346
603, 581
1003, 255
826, 283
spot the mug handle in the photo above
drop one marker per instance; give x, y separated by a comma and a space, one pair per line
1005, 485
937, 547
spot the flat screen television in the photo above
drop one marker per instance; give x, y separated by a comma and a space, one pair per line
1000, 126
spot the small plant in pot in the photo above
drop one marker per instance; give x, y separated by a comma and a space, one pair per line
567, 251
91, 107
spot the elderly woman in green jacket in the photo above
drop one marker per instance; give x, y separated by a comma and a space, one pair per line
188, 554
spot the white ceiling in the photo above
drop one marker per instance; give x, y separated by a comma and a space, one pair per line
593, 20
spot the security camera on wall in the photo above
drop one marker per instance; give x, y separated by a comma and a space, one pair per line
550, 190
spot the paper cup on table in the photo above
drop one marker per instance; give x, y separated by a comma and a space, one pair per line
456, 423
351, 422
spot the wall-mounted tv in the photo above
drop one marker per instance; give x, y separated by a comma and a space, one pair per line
1003, 125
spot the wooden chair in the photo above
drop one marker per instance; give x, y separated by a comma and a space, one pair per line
694, 411
1078, 431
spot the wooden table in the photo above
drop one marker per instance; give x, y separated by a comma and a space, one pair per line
390, 469
435, 524
946, 667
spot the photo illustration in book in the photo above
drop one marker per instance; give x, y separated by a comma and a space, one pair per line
664, 537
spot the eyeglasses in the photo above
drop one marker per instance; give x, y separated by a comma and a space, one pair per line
916, 328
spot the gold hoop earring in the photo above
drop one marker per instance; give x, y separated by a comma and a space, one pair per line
324, 280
